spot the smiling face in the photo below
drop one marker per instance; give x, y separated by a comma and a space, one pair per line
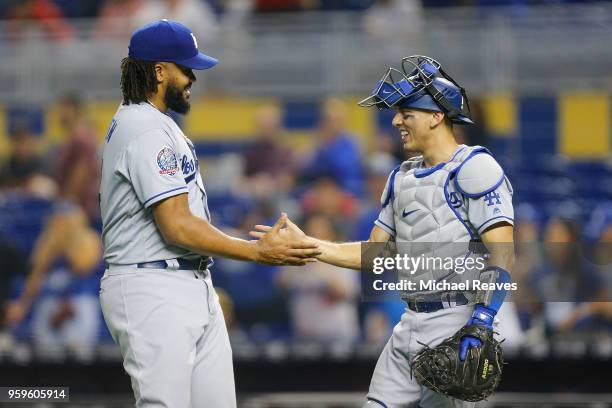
413, 126
178, 81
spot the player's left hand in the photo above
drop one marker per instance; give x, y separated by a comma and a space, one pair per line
466, 343
482, 316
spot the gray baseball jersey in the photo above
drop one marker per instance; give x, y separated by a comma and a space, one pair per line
169, 326
146, 158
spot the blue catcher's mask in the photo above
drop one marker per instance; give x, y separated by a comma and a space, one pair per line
421, 84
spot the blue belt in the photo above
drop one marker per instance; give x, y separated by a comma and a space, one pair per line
197, 264
434, 306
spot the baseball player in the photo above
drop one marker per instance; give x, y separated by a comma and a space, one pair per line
449, 194
157, 295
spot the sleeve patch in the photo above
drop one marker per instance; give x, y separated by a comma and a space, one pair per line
166, 161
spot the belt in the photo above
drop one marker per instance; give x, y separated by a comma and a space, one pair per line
434, 306
197, 264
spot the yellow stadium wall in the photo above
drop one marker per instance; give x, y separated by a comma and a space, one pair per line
583, 122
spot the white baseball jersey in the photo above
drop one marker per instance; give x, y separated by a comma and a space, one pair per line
146, 158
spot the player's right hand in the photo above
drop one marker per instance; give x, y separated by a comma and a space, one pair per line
284, 246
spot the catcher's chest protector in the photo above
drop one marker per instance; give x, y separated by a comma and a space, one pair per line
431, 220
427, 206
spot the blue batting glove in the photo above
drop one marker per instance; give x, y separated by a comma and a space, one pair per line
482, 316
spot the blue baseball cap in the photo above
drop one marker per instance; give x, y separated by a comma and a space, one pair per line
170, 41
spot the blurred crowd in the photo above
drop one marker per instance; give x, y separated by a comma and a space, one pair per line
57, 18
51, 255
100, 8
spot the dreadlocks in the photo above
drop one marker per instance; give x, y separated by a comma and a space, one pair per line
137, 80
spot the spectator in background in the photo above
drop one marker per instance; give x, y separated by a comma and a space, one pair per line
269, 165
50, 246
326, 197
599, 233
193, 13
322, 298
24, 168
77, 169
528, 258
565, 280
337, 154
38, 15
67, 314
379, 165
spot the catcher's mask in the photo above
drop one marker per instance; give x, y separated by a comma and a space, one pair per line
421, 84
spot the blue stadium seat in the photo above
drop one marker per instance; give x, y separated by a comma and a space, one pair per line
593, 178
22, 218
229, 209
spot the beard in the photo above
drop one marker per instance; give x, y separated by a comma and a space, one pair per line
175, 99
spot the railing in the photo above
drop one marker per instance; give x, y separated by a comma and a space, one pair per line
529, 50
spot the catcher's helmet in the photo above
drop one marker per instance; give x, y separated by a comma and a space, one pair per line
421, 84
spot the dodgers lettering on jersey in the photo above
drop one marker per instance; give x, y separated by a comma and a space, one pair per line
146, 159
424, 206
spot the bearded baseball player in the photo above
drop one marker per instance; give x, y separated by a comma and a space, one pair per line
442, 353
156, 294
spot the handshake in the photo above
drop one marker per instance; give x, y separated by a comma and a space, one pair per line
284, 244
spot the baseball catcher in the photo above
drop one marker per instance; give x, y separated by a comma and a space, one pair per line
452, 201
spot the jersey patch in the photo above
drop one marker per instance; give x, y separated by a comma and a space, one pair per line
166, 161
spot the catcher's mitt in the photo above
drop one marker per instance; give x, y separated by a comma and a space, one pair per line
474, 379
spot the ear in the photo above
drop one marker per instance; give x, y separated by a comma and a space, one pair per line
436, 119
160, 72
